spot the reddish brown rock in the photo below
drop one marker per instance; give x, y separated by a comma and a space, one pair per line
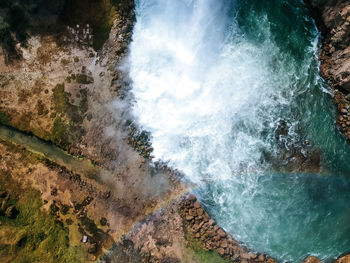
312, 259
345, 259
221, 251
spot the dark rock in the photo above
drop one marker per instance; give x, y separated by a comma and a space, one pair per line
11, 212
103, 221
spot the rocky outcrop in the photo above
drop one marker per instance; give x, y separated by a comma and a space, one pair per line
333, 20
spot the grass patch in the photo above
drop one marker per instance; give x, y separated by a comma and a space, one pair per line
34, 235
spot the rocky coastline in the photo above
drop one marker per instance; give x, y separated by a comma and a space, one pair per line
66, 91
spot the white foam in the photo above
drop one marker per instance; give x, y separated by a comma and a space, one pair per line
202, 91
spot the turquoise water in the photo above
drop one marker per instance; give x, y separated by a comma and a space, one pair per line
212, 81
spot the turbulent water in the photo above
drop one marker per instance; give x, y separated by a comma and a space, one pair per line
213, 80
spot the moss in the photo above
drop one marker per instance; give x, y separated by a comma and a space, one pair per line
34, 236
5, 118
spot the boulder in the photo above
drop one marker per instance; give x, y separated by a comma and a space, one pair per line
312, 259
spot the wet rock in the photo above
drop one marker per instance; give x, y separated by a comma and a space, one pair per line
312, 259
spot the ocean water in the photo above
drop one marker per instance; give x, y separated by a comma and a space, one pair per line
213, 80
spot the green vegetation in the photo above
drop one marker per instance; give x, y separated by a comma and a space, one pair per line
202, 255
34, 235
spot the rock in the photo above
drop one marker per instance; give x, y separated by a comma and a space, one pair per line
189, 218
200, 211
261, 258
221, 233
91, 257
11, 212
224, 244
192, 212
221, 251
345, 259
246, 256
195, 228
196, 204
192, 198
211, 222
312, 259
